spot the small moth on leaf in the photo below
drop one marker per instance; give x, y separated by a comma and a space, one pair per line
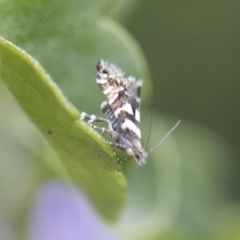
121, 110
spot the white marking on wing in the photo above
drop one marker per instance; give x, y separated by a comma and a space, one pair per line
131, 126
108, 90
112, 100
101, 81
126, 108
137, 115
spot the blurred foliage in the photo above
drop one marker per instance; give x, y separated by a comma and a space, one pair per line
192, 48
189, 188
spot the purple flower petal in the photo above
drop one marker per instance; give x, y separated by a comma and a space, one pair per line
62, 213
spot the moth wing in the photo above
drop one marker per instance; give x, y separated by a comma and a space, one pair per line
134, 98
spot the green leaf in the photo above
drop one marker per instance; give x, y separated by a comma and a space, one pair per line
68, 38
88, 161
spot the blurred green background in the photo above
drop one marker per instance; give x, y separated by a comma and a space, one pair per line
193, 52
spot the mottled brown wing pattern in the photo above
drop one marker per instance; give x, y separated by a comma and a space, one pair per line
122, 106
122, 111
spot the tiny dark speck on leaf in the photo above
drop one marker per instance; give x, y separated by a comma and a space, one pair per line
49, 132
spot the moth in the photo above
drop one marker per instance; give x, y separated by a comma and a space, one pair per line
121, 110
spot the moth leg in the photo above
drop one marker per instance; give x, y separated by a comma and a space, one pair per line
120, 146
115, 145
121, 163
103, 129
92, 118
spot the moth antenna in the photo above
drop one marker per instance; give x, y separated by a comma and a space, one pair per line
174, 127
149, 129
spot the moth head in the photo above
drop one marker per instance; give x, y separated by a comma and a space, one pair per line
138, 152
141, 157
